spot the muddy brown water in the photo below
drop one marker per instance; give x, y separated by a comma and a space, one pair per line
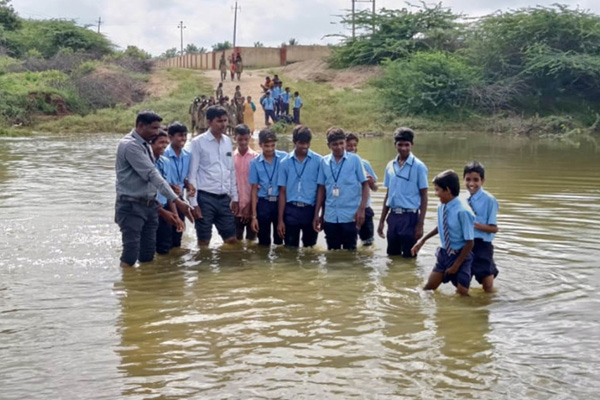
247, 322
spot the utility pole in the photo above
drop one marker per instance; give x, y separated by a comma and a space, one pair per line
99, 23
354, 12
236, 8
181, 27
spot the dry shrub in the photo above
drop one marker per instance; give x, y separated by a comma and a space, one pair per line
103, 89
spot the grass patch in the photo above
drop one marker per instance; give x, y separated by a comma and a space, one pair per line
173, 106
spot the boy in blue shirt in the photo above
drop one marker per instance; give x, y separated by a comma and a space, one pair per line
343, 190
297, 180
285, 101
455, 226
169, 220
178, 168
485, 207
367, 230
268, 105
276, 95
264, 172
297, 106
406, 197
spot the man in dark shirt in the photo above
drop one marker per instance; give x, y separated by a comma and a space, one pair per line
137, 183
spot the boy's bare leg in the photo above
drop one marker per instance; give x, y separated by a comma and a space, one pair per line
488, 283
435, 279
463, 291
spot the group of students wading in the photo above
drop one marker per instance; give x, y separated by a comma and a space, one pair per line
288, 198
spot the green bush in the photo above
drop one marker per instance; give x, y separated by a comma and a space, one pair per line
428, 83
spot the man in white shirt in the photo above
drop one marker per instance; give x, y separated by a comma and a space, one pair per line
212, 173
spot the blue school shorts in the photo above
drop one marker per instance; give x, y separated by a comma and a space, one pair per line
445, 261
483, 260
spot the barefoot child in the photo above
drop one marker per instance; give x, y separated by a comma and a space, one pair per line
485, 207
455, 226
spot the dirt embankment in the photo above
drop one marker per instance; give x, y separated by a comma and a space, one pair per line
312, 70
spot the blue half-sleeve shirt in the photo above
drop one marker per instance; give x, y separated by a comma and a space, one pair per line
369, 171
179, 167
300, 178
404, 184
162, 165
485, 207
460, 223
347, 176
265, 174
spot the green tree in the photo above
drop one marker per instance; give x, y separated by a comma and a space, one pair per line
428, 83
222, 46
169, 53
136, 53
258, 44
293, 42
9, 19
393, 34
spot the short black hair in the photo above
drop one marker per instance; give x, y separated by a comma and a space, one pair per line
147, 117
404, 134
266, 135
213, 112
296, 93
161, 133
241, 129
334, 134
351, 136
448, 180
177, 127
302, 134
474, 166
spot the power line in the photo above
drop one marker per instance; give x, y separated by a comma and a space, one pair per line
99, 23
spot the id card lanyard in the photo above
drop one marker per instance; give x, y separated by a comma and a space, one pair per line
336, 189
299, 175
275, 163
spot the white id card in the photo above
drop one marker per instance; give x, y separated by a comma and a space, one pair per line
336, 192
270, 191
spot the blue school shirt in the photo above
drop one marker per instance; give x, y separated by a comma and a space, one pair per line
285, 96
264, 174
162, 165
404, 184
369, 171
292, 172
347, 175
179, 167
275, 93
297, 102
485, 207
267, 103
460, 223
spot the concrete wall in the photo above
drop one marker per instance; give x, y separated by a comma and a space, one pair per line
252, 56
303, 53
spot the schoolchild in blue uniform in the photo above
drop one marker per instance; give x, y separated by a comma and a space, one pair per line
343, 191
406, 197
276, 95
264, 172
455, 227
367, 230
298, 174
268, 105
169, 219
285, 101
178, 169
485, 207
297, 106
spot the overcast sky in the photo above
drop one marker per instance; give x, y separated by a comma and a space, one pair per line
152, 24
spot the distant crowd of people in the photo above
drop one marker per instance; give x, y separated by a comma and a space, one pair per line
275, 102
236, 66
286, 198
